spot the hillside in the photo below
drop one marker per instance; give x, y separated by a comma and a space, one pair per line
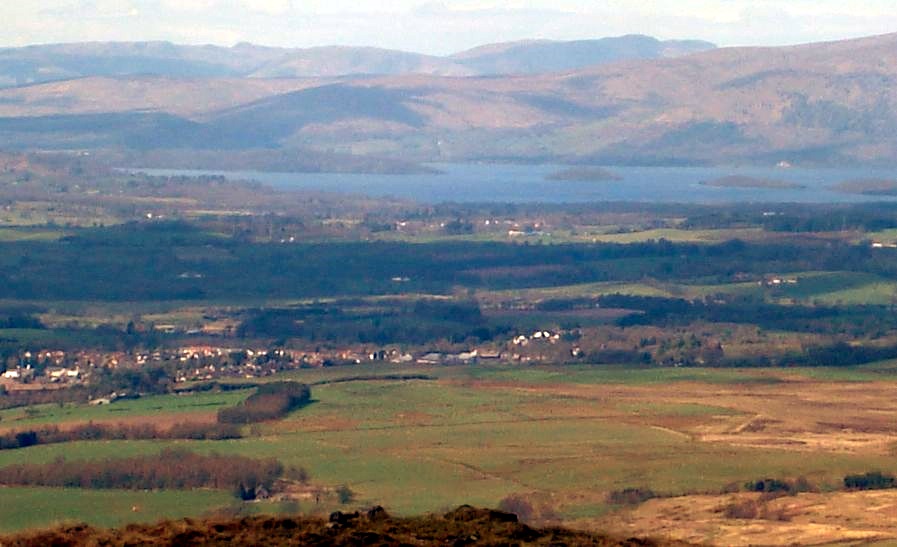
47, 63
463, 526
342, 61
532, 57
829, 103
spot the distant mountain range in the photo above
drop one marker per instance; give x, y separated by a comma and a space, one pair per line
629, 100
47, 63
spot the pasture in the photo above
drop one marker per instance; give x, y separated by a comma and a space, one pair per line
563, 437
25, 508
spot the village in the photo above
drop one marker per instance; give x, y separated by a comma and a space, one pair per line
49, 368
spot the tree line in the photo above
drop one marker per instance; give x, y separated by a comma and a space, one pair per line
52, 434
269, 402
170, 469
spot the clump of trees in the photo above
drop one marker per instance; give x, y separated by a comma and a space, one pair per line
171, 469
631, 496
21, 321
757, 509
345, 494
386, 322
29, 397
785, 486
154, 380
116, 432
872, 480
269, 402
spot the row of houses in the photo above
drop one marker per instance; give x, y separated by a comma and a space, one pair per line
208, 362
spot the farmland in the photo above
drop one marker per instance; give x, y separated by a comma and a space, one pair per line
563, 437
610, 366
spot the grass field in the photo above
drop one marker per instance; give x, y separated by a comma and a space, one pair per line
562, 436
680, 236
24, 508
160, 408
575, 291
841, 288
30, 234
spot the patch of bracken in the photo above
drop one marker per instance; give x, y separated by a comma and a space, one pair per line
463, 526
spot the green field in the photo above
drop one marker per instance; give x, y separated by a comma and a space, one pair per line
30, 234
24, 508
475, 435
159, 407
840, 288
679, 236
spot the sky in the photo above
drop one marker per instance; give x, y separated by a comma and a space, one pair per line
438, 26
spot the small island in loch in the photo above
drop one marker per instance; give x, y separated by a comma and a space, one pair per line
584, 174
742, 181
868, 187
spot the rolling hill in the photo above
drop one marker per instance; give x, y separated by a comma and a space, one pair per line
532, 57
828, 103
55, 62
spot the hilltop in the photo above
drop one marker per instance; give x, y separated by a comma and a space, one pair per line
817, 104
56, 62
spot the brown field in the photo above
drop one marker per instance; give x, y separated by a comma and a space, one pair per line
161, 421
795, 413
856, 518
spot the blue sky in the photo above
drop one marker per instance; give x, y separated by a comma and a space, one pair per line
439, 26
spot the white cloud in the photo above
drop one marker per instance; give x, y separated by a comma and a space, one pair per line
269, 7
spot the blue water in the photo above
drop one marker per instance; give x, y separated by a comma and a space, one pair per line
528, 184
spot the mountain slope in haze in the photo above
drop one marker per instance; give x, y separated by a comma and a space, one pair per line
830, 103
341, 61
188, 97
532, 57
48, 63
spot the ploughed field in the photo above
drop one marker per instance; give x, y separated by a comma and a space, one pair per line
555, 443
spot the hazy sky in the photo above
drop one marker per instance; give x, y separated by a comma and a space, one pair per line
440, 26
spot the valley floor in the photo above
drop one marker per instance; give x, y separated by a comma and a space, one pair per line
559, 438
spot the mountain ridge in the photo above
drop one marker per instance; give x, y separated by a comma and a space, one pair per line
53, 62
831, 103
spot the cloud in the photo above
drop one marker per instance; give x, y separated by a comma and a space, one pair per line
440, 26
269, 7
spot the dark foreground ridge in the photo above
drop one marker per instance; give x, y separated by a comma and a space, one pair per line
463, 526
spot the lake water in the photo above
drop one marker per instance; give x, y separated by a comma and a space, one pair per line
528, 184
